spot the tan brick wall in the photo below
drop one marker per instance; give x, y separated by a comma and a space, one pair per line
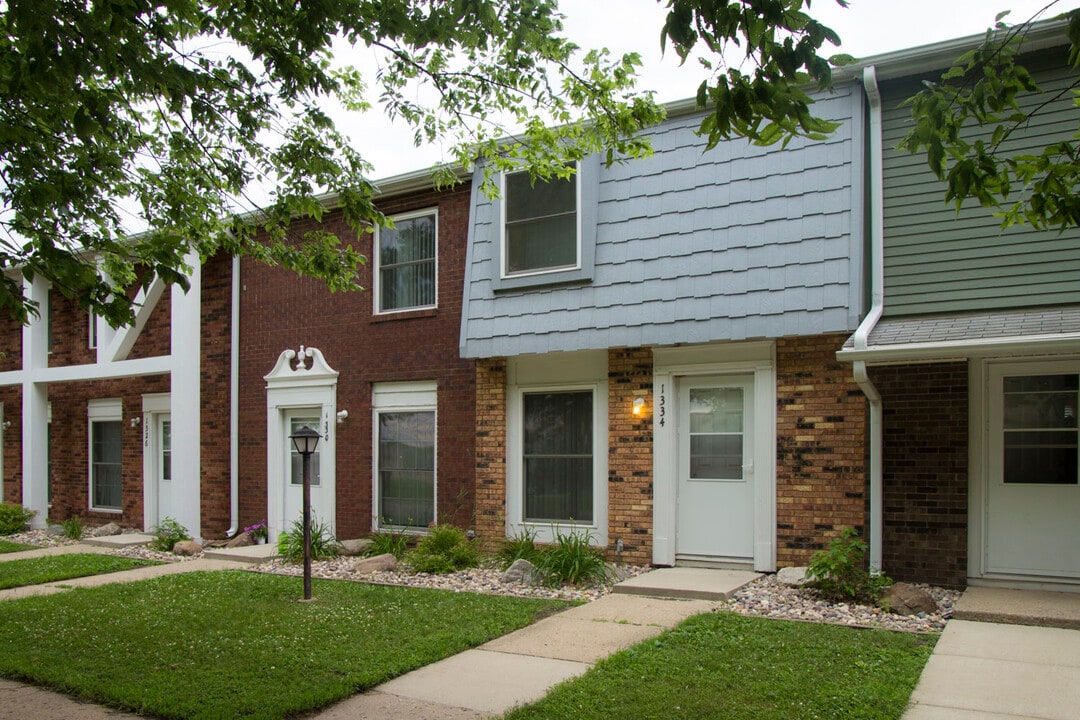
821, 447
491, 449
630, 458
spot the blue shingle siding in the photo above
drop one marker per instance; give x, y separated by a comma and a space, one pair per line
692, 246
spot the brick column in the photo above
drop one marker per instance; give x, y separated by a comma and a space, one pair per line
491, 448
821, 445
630, 457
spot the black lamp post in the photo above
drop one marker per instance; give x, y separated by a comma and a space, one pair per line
305, 440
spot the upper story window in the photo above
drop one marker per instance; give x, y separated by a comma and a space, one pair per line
541, 228
406, 263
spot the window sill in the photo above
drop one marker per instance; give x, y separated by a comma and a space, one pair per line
405, 315
540, 282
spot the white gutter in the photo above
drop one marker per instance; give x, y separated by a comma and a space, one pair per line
234, 404
877, 306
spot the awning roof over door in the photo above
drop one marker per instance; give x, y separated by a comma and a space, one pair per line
945, 337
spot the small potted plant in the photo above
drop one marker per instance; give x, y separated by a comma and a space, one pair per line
257, 532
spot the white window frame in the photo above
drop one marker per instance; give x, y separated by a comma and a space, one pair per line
103, 410
93, 339
398, 398
597, 526
377, 279
504, 253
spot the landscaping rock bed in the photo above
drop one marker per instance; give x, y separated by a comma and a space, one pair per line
767, 597
480, 580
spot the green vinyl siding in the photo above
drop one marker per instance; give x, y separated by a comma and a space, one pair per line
938, 260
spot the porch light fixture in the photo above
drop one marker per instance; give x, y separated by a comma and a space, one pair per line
305, 440
639, 407
135, 421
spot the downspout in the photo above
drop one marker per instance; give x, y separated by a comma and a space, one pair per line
234, 403
877, 306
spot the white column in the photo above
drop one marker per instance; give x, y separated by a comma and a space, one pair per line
35, 406
185, 398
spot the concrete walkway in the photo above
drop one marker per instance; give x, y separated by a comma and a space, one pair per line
1005, 655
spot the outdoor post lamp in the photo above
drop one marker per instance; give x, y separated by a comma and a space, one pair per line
305, 440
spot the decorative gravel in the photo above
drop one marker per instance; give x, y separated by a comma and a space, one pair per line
485, 580
39, 538
766, 597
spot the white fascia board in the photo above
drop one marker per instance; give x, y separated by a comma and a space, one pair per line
960, 349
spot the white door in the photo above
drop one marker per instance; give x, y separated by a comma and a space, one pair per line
1033, 495
715, 518
163, 464
294, 479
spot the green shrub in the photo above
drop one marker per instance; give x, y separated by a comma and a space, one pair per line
291, 542
389, 542
839, 572
13, 518
167, 533
73, 528
572, 559
444, 549
520, 546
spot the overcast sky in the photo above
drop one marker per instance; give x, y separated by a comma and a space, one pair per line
867, 27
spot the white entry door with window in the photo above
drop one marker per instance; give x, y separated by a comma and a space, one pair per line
715, 482
1033, 493
294, 483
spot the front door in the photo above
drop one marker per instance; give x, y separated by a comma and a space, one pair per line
715, 518
294, 480
163, 464
1033, 493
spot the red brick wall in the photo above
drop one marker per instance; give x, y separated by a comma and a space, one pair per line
69, 401
280, 311
925, 471
630, 459
821, 447
214, 382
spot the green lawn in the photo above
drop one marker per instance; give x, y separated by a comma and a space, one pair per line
236, 644
35, 571
6, 546
721, 665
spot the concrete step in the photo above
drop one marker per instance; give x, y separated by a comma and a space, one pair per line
1019, 607
119, 541
252, 554
687, 583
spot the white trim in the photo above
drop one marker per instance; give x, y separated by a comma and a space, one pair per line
289, 389
504, 255
377, 273
145, 302
984, 438
586, 370
962, 349
234, 403
404, 397
154, 407
103, 410
670, 365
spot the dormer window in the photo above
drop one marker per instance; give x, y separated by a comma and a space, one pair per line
541, 231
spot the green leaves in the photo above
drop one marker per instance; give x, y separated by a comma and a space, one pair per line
781, 44
166, 119
971, 124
